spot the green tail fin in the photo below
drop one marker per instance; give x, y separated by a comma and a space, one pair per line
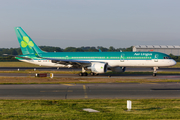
26, 43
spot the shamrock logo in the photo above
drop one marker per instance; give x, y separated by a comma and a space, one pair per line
26, 42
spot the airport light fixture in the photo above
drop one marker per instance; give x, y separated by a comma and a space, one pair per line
129, 105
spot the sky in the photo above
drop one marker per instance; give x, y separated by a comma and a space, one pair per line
77, 23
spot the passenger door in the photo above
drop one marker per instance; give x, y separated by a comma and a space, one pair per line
122, 57
156, 58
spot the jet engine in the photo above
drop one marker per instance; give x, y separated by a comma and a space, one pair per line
118, 69
98, 67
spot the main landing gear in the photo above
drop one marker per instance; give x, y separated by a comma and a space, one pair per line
86, 74
92, 74
83, 73
155, 71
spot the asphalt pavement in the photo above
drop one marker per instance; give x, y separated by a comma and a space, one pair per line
91, 91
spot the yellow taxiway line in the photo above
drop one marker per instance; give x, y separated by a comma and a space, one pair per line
85, 93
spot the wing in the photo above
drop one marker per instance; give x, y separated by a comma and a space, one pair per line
75, 63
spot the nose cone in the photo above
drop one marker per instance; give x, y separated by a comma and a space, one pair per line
172, 62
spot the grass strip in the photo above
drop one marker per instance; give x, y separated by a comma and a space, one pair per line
73, 109
62, 80
29, 71
17, 64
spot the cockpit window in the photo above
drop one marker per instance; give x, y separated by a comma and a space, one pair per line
167, 57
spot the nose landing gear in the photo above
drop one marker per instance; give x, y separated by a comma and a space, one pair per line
154, 74
155, 71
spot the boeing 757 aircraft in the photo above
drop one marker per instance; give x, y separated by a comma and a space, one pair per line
96, 62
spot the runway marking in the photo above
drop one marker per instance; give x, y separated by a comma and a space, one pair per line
149, 83
68, 84
85, 93
58, 91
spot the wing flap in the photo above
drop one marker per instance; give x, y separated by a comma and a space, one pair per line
71, 62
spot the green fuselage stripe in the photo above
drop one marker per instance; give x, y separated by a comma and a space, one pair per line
99, 55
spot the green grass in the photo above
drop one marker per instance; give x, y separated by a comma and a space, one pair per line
177, 65
73, 109
79, 80
30, 71
17, 64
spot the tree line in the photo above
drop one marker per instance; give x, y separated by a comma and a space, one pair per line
176, 58
17, 51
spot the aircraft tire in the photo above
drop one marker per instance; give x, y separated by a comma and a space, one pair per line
154, 74
92, 74
85, 74
80, 74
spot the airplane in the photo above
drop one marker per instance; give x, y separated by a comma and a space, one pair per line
96, 62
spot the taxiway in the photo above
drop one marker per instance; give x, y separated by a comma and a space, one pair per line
91, 91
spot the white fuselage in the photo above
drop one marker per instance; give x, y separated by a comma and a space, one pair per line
114, 63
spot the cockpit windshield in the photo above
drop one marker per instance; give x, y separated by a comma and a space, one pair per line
167, 57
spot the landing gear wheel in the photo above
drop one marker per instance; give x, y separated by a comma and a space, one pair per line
154, 74
80, 74
92, 74
155, 71
85, 74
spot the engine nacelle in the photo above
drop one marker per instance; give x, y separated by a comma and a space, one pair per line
98, 67
118, 69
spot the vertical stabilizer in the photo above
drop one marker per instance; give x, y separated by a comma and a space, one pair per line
26, 43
